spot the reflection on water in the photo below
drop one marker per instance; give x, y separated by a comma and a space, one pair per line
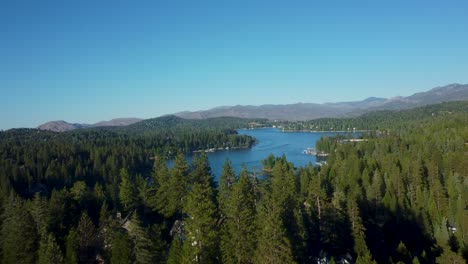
270, 141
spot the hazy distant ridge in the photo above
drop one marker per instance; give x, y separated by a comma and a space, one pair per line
61, 126
299, 111
308, 111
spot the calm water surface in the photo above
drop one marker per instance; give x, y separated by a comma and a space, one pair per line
270, 141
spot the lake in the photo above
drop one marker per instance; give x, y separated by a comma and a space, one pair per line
270, 141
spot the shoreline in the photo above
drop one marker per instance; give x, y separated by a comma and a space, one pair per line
212, 150
324, 131
244, 128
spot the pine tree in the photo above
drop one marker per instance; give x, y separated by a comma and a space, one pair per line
175, 255
57, 209
159, 245
19, 237
226, 182
176, 188
127, 192
377, 188
360, 247
159, 200
79, 192
316, 195
273, 243
87, 238
49, 251
201, 171
143, 246
145, 191
121, 249
284, 195
402, 253
108, 227
160, 172
415, 260
71, 252
2, 201
201, 243
239, 231
98, 192
40, 214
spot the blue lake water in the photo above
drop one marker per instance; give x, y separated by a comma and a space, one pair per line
270, 141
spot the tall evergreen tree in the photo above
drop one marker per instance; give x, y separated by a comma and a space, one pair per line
239, 230
160, 176
201, 171
108, 228
40, 214
360, 247
87, 239
177, 187
201, 243
145, 192
72, 246
127, 193
316, 194
121, 249
58, 208
143, 246
19, 237
159, 245
49, 251
284, 195
176, 254
98, 193
273, 243
226, 183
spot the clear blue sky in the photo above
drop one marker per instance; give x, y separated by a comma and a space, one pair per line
86, 61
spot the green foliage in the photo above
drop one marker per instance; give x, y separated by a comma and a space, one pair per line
121, 249
449, 256
127, 193
71, 252
378, 120
49, 251
99, 194
143, 250
39, 212
161, 186
87, 239
176, 255
273, 243
176, 188
398, 196
239, 229
19, 237
226, 183
201, 242
79, 191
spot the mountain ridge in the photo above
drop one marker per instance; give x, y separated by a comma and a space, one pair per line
298, 111
308, 111
62, 126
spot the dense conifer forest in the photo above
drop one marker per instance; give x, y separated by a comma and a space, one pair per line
106, 195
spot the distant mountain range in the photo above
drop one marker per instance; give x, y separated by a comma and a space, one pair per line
299, 111
61, 126
293, 112
309, 111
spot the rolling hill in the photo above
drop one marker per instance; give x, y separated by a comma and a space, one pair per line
62, 126
293, 112
309, 111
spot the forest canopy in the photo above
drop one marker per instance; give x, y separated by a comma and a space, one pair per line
400, 196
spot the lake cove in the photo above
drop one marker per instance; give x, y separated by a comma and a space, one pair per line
269, 141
